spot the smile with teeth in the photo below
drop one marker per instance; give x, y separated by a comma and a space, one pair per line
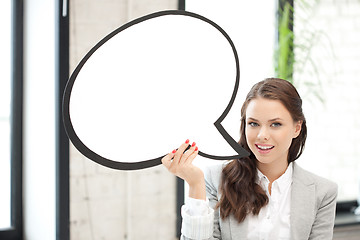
263, 147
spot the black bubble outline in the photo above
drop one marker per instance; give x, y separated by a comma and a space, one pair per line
156, 161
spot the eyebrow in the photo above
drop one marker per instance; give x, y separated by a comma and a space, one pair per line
271, 120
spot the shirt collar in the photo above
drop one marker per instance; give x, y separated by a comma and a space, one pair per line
282, 182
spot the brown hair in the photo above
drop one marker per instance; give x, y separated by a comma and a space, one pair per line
240, 194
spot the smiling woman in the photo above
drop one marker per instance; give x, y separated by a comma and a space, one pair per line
265, 195
270, 131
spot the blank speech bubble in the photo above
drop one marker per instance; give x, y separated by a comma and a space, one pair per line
150, 85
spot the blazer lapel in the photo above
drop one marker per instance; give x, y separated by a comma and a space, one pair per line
302, 204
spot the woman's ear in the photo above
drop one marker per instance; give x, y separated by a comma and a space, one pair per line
298, 125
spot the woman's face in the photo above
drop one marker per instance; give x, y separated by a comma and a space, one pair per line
269, 130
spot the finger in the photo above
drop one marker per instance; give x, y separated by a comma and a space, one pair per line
188, 153
180, 151
193, 155
166, 160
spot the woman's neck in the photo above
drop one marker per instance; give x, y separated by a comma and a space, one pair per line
272, 170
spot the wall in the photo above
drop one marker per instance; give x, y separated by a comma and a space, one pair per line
332, 71
104, 203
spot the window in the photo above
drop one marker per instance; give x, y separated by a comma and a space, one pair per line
5, 98
11, 120
326, 67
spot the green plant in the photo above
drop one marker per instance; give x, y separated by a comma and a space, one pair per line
293, 53
284, 54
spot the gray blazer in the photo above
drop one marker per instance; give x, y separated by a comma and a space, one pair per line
313, 202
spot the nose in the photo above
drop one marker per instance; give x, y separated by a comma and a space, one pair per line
263, 134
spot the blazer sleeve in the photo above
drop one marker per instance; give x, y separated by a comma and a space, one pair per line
212, 179
204, 227
323, 225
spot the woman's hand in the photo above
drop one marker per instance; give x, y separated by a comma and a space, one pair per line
179, 162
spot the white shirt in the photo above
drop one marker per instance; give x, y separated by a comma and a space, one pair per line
273, 221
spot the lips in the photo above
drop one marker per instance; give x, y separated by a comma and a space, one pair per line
264, 148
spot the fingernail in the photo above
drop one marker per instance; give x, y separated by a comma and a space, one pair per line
174, 151
187, 141
193, 144
196, 149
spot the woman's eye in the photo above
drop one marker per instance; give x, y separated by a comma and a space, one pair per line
253, 124
276, 124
